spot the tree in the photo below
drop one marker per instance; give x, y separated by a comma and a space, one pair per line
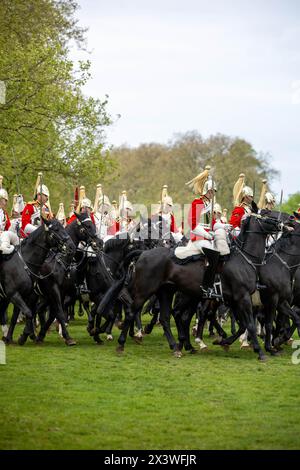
145, 169
46, 123
292, 204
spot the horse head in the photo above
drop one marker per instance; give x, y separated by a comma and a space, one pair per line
85, 230
57, 237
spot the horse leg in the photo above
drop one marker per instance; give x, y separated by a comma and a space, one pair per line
8, 337
97, 329
185, 324
165, 296
245, 307
269, 311
18, 301
286, 311
138, 336
232, 324
149, 327
129, 318
202, 317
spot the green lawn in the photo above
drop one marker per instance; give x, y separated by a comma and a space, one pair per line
88, 397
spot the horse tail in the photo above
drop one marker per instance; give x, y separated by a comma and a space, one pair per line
110, 296
108, 300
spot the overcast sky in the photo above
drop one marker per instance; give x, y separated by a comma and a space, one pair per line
208, 65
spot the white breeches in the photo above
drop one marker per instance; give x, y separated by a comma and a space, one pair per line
8, 240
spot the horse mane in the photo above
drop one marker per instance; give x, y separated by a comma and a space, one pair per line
244, 227
115, 243
32, 237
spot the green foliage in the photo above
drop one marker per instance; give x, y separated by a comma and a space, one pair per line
292, 204
145, 169
46, 123
87, 397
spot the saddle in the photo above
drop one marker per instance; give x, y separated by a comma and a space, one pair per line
187, 254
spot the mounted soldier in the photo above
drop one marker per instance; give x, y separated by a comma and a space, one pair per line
165, 217
201, 208
267, 199
61, 216
105, 219
8, 239
243, 202
202, 220
34, 210
16, 213
126, 214
84, 207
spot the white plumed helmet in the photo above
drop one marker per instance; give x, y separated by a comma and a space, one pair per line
209, 184
269, 198
86, 202
43, 190
168, 200
3, 194
217, 208
247, 191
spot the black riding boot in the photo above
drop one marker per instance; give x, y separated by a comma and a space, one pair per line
209, 275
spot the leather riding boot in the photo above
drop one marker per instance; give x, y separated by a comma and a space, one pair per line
210, 272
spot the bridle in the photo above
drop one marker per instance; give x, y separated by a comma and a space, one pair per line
60, 244
239, 244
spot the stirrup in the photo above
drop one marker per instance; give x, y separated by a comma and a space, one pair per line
260, 286
210, 293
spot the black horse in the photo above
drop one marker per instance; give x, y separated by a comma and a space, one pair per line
102, 270
156, 272
277, 275
20, 272
50, 283
240, 275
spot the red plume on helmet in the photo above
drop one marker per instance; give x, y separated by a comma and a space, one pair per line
76, 196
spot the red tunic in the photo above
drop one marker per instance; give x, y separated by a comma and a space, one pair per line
27, 214
73, 217
195, 215
237, 214
7, 220
114, 228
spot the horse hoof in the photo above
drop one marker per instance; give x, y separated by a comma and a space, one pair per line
177, 353
21, 340
120, 349
263, 358
289, 341
138, 339
7, 340
109, 337
245, 345
70, 342
218, 341
98, 340
275, 353
193, 351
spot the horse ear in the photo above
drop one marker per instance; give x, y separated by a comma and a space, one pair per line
77, 217
46, 221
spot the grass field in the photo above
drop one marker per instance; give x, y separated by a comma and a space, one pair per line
88, 397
